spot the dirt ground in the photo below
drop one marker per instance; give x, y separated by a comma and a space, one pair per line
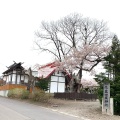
85, 110
88, 110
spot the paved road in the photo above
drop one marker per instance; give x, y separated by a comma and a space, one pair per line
17, 110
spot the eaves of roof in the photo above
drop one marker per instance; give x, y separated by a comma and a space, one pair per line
12, 67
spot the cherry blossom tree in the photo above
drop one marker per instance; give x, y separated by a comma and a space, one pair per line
58, 37
75, 42
84, 59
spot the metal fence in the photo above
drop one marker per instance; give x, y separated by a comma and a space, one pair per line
76, 96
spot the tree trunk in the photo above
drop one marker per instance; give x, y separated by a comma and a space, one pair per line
80, 77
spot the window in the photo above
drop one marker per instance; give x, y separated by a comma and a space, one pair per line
57, 84
13, 78
26, 79
18, 79
54, 78
53, 87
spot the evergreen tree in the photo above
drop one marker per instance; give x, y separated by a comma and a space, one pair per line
112, 66
43, 84
113, 58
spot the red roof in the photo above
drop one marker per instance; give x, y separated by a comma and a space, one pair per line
47, 70
48, 65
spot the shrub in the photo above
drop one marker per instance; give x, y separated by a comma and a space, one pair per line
10, 93
40, 95
18, 93
25, 94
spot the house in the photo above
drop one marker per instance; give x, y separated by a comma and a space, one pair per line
15, 74
58, 79
15, 77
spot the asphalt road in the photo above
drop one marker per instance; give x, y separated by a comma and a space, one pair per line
16, 110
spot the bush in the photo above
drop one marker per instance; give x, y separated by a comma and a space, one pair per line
25, 94
18, 93
43, 84
10, 93
40, 95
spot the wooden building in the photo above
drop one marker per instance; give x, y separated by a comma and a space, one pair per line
14, 77
58, 79
15, 74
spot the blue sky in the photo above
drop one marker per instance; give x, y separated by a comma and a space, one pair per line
19, 19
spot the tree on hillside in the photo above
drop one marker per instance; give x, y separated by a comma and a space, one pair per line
112, 66
75, 41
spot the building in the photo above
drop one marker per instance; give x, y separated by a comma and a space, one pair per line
15, 74
59, 80
15, 77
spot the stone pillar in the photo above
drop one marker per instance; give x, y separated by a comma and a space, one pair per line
110, 110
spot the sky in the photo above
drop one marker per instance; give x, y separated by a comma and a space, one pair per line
19, 19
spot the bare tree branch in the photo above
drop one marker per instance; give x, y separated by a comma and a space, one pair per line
75, 41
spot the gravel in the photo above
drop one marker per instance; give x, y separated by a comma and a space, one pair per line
89, 110
86, 110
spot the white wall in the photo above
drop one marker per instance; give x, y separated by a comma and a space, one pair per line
62, 79
4, 93
57, 83
54, 78
35, 73
53, 87
59, 73
5, 78
26, 79
18, 79
9, 78
14, 71
13, 78
61, 87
